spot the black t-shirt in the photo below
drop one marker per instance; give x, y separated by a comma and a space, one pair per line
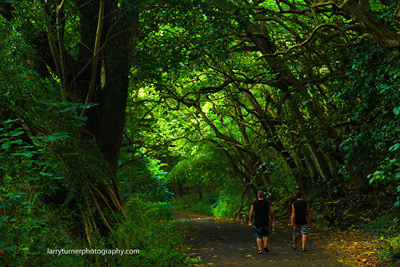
300, 209
261, 212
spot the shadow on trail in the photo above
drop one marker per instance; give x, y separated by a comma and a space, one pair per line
222, 243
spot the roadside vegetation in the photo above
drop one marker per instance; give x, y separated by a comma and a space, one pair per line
116, 113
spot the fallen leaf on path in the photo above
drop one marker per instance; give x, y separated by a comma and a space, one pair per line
249, 256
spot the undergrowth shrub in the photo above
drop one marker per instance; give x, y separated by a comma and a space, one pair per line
150, 229
29, 228
229, 200
385, 225
394, 245
193, 204
227, 205
25, 223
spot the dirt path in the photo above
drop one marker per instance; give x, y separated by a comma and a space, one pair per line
225, 243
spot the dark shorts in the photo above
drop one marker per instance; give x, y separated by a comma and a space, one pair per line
261, 231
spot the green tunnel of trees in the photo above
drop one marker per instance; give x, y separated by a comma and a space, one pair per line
110, 108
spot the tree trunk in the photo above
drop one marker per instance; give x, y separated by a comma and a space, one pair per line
108, 29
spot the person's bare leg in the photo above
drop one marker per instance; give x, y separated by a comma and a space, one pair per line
295, 240
303, 240
259, 243
265, 239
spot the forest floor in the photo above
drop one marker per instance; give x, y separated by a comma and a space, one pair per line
224, 242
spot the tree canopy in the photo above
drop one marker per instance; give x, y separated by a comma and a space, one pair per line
104, 103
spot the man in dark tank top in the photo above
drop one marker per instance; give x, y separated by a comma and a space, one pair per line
299, 220
261, 209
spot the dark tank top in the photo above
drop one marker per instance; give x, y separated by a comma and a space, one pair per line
300, 207
261, 212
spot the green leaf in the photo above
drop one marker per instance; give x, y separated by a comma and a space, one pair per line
5, 145
394, 147
45, 174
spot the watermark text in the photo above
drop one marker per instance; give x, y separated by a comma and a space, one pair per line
88, 251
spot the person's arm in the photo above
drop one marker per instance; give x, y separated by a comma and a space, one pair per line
271, 210
293, 214
251, 214
308, 214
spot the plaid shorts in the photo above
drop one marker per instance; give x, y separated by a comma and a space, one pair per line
300, 229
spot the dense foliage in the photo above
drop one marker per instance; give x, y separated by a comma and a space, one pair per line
112, 109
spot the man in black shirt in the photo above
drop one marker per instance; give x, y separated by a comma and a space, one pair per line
261, 209
300, 217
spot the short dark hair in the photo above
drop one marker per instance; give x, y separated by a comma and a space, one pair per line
260, 194
299, 194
